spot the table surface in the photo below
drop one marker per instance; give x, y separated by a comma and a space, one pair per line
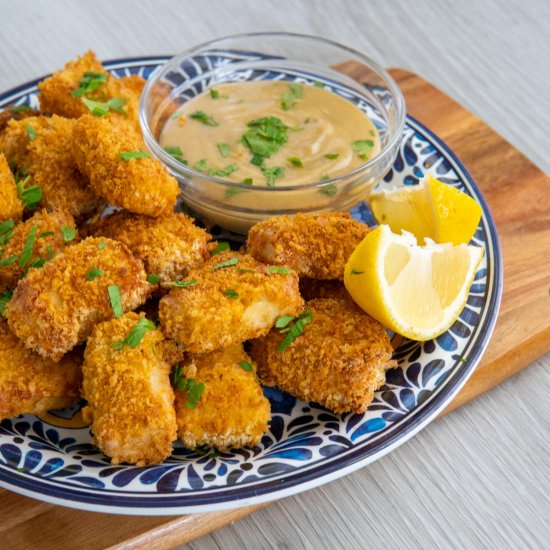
479, 477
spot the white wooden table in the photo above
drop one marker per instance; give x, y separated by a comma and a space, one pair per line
480, 477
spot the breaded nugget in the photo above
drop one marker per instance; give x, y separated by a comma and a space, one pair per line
169, 246
130, 399
14, 141
235, 298
11, 207
318, 288
339, 360
56, 91
31, 384
41, 236
314, 245
15, 112
55, 308
140, 185
232, 411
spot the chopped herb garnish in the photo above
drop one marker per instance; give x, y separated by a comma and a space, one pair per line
98, 108
318, 84
38, 262
89, 82
223, 148
234, 190
223, 171
362, 147
153, 279
5, 297
136, 334
68, 232
220, 247
324, 177
30, 196
295, 161
45, 234
246, 270
248, 181
183, 284
329, 190
279, 269
214, 94
332, 156
6, 227
289, 98
372, 133
8, 261
295, 329
355, 272
200, 165
19, 108
231, 293
116, 302
176, 152
246, 366
127, 155
102, 245
201, 116
93, 273
271, 174
31, 132
227, 263
193, 388
284, 320
26, 254
265, 137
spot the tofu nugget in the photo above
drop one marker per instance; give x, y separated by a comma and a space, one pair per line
339, 360
230, 299
56, 307
314, 245
31, 384
31, 244
140, 185
11, 207
232, 410
127, 386
56, 92
15, 112
169, 246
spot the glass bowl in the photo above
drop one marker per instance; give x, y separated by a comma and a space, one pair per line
273, 56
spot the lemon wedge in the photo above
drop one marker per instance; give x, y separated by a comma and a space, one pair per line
431, 209
416, 291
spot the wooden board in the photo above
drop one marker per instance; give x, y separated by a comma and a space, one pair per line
518, 194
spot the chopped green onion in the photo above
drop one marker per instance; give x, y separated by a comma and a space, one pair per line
93, 273
183, 284
8, 261
68, 232
294, 330
30, 196
116, 302
220, 247
102, 245
153, 279
246, 366
31, 132
279, 269
193, 388
6, 227
89, 82
127, 155
227, 263
247, 270
45, 234
231, 293
201, 116
26, 254
136, 334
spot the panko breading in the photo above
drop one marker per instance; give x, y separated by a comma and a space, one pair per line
31, 384
232, 412
48, 241
14, 141
15, 112
339, 361
55, 92
130, 399
49, 162
169, 246
140, 185
228, 305
318, 288
56, 307
314, 245
11, 207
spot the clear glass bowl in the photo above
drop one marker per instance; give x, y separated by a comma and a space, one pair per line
261, 56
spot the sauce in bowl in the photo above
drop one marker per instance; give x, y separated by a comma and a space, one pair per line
271, 132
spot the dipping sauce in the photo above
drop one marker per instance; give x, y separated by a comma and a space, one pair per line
271, 133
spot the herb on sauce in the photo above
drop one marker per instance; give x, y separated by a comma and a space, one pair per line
271, 174
289, 98
201, 116
176, 152
223, 171
200, 166
223, 148
295, 161
264, 137
332, 156
362, 147
214, 94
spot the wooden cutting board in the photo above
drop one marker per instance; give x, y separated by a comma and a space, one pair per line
518, 194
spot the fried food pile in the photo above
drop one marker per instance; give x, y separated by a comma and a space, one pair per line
164, 333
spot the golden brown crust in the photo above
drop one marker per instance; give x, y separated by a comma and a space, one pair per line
31, 384
202, 318
56, 307
339, 360
314, 245
48, 243
318, 288
14, 141
130, 400
8, 114
140, 185
11, 206
169, 246
232, 412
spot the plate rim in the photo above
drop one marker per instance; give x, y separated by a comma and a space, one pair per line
136, 504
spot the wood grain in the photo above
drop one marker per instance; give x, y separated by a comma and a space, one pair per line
517, 193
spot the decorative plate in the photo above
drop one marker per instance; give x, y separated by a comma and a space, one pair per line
52, 458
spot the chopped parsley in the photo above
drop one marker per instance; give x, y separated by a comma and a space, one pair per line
234, 190
94, 273
223, 148
31, 132
102, 245
183, 284
295, 161
271, 174
5, 297
88, 83
26, 254
246, 366
136, 334
223, 171
264, 137
153, 279
193, 388
116, 302
231, 293
293, 327
362, 147
16, 109
227, 263
329, 190
176, 152
68, 232
279, 269
38, 262
201, 116
99, 108
127, 155
220, 247
355, 272
200, 165
30, 196
5, 229
45, 234
8, 261
332, 156
214, 94
295, 92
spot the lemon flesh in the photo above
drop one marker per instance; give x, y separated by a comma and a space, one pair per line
416, 291
429, 210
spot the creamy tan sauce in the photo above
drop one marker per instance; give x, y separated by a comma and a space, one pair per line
320, 124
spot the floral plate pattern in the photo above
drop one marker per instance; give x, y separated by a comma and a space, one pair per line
53, 459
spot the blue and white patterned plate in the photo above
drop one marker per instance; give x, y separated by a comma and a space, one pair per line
52, 459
